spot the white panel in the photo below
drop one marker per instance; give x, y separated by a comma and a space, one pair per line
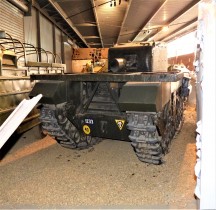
46, 36
30, 27
16, 118
68, 57
206, 71
58, 43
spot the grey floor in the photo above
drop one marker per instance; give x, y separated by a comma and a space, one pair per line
39, 173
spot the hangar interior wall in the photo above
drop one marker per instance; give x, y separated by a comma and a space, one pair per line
41, 32
37, 30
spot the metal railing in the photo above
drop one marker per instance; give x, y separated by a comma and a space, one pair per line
24, 50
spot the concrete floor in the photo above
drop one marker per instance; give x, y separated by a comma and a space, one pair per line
39, 173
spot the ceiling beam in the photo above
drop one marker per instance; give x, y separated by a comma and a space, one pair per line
97, 23
182, 30
91, 37
64, 0
153, 14
184, 10
85, 24
69, 22
95, 43
60, 26
53, 14
125, 17
46, 14
46, 5
176, 36
176, 17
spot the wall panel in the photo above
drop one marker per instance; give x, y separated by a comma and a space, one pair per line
58, 43
30, 29
46, 36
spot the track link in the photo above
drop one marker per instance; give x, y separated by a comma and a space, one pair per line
56, 124
144, 137
151, 133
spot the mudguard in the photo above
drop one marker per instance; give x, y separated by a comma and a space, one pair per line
54, 92
144, 96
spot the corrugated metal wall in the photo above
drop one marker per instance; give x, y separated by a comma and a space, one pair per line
11, 20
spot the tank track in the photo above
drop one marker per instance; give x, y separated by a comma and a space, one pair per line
151, 133
55, 123
179, 112
145, 137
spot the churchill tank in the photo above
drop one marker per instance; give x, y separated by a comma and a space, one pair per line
136, 99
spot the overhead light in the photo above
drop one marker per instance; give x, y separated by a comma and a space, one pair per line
113, 3
165, 28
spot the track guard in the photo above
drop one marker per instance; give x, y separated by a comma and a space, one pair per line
54, 92
144, 96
